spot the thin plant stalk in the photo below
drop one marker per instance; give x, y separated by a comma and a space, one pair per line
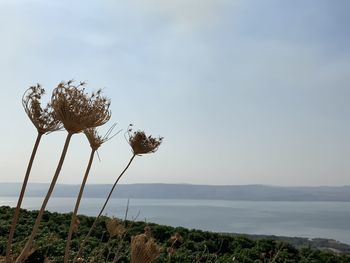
73, 220
28, 245
20, 198
102, 209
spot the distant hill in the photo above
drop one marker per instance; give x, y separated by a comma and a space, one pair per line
188, 191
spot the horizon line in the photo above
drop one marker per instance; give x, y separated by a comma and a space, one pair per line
189, 184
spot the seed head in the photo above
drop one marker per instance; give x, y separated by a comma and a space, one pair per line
76, 109
141, 143
42, 118
97, 140
115, 227
175, 240
144, 249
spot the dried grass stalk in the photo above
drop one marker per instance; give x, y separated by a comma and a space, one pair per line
77, 111
95, 141
140, 144
45, 122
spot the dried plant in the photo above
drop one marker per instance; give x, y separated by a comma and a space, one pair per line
45, 122
118, 250
175, 240
140, 144
116, 233
115, 227
174, 243
76, 223
42, 118
77, 111
144, 249
95, 141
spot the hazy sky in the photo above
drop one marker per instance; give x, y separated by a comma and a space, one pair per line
244, 92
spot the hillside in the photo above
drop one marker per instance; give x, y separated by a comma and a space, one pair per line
188, 246
187, 191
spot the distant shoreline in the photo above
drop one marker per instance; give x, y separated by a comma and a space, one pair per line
188, 191
283, 218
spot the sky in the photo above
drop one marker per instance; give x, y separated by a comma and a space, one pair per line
243, 92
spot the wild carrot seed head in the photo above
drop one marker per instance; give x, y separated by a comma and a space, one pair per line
97, 140
143, 144
115, 227
76, 109
175, 238
144, 249
42, 118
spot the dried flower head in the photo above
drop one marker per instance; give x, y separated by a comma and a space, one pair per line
148, 231
97, 140
76, 109
175, 240
144, 249
141, 143
115, 227
42, 118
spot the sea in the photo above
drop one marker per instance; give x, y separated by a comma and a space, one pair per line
329, 220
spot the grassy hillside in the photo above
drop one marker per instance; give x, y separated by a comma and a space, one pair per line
113, 242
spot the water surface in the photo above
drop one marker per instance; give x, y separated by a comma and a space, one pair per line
303, 219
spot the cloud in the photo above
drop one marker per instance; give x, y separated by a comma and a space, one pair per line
240, 78
186, 16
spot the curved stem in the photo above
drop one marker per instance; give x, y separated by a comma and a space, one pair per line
28, 245
20, 198
102, 209
73, 220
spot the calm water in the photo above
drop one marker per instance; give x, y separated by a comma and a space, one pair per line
304, 219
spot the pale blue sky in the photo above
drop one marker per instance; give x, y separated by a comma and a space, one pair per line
244, 92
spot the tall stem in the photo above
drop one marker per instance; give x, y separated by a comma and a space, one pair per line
102, 209
28, 245
73, 220
20, 198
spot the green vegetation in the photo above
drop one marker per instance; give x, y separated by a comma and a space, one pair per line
191, 246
